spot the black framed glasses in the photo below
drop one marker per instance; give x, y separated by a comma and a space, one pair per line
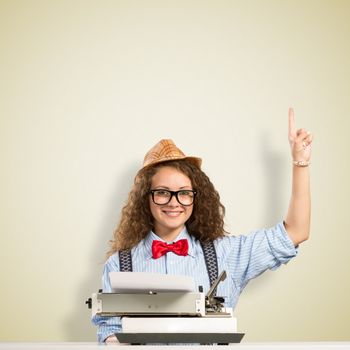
163, 197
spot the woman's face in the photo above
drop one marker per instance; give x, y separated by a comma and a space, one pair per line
170, 218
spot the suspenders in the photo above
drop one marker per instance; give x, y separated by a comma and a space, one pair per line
125, 261
211, 261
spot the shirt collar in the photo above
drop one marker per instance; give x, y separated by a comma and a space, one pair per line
151, 236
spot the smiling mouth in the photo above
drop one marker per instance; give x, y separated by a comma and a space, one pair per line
172, 213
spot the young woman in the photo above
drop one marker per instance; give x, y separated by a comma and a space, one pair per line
173, 201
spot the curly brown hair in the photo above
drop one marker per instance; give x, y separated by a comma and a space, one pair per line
206, 222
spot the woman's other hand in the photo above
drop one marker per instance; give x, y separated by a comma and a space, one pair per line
300, 140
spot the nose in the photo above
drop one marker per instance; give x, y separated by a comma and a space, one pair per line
173, 201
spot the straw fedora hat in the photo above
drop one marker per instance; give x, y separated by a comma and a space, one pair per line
164, 151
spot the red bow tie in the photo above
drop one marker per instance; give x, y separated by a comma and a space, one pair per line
160, 248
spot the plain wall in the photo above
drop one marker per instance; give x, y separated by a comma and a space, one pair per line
87, 87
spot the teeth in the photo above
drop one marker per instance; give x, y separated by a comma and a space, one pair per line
172, 213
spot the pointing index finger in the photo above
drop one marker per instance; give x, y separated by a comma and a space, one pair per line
291, 123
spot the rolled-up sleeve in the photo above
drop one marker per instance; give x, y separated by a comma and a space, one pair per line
250, 255
107, 325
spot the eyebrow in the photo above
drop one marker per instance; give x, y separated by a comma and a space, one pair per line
168, 188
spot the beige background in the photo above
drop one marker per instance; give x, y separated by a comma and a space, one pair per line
87, 87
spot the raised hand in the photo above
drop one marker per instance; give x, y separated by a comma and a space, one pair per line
300, 140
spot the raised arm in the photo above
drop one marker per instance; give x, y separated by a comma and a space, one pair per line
297, 222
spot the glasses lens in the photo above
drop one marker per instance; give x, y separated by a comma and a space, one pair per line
161, 196
185, 197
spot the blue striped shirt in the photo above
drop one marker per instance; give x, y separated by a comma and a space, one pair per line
242, 257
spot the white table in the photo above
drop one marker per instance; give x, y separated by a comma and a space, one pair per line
241, 346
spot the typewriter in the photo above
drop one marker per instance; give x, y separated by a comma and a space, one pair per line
154, 316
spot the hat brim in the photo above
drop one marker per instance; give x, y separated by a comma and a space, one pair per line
194, 160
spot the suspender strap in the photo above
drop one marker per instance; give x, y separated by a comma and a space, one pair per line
211, 261
125, 262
